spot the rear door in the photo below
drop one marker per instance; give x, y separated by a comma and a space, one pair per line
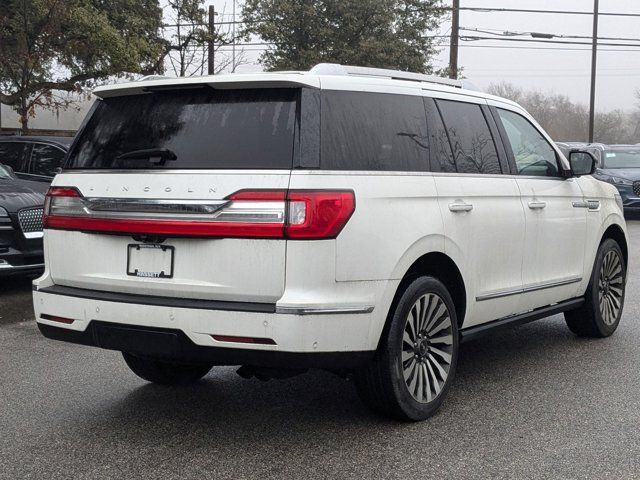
168, 163
555, 211
483, 218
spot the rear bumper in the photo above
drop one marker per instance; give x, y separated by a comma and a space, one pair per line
172, 344
184, 329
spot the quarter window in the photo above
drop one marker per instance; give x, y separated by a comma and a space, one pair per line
369, 131
45, 160
471, 141
532, 153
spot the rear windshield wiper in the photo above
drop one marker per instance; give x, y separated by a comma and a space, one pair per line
155, 155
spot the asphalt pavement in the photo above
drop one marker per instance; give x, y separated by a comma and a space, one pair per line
531, 402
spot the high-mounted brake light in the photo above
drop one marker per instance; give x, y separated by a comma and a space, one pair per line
293, 214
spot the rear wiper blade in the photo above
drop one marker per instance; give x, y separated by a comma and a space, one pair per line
156, 155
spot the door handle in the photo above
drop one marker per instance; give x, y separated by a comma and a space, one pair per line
460, 207
537, 205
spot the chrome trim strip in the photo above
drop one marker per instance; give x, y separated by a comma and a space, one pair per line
8, 266
324, 310
32, 235
528, 289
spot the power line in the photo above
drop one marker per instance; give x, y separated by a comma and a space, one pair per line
509, 33
470, 38
559, 12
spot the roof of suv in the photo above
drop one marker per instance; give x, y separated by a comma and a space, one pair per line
346, 75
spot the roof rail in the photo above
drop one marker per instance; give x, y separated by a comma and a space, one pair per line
148, 78
337, 69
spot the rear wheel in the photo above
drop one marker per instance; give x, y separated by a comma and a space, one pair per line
416, 362
600, 314
165, 372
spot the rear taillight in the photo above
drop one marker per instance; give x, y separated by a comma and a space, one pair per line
294, 214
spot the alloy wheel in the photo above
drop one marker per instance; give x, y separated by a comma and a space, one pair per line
610, 287
427, 348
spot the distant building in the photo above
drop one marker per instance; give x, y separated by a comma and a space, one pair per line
46, 122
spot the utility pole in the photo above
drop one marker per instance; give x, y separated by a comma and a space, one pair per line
233, 54
212, 48
594, 56
455, 32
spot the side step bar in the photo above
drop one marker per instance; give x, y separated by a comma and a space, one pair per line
520, 319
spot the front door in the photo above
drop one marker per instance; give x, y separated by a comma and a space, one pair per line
555, 213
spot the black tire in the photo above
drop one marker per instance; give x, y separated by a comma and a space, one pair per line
600, 314
382, 385
165, 372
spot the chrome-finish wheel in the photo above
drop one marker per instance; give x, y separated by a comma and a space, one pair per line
610, 287
427, 348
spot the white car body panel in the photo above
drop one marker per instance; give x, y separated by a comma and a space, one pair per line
501, 247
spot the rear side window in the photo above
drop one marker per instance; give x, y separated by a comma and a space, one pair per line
371, 131
204, 128
11, 154
471, 141
45, 160
441, 155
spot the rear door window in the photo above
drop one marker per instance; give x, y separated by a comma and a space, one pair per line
11, 154
45, 160
373, 131
204, 128
474, 150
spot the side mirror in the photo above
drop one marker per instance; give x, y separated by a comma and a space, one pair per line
8, 169
582, 163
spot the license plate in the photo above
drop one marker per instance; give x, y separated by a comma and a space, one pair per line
150, 260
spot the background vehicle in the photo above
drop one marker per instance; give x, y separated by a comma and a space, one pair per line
34, 158
618, 165
347, 218
21, 204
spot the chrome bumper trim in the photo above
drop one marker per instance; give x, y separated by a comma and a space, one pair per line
324, 310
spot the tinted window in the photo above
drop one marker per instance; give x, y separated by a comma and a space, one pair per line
11, 154
441, 155
532, 153
45, 159
470, 137
370, 131
205, 128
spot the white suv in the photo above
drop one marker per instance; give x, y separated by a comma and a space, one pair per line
359, 220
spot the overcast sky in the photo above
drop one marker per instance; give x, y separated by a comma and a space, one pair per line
560, 71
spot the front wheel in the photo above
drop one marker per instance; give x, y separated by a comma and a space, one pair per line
600, 314
165, 372
416, 362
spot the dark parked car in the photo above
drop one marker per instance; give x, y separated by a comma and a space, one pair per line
34, 158
618, 165
21, 204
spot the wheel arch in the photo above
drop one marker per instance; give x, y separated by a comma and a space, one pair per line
615, 232
438, 265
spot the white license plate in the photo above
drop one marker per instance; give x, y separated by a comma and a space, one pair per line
150, 260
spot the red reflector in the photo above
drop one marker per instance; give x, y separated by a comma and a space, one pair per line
54, 318
253, 340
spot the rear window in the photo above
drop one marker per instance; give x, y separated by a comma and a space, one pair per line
371, 131
204, 128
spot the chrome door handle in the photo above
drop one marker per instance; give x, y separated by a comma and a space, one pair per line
537, 205
460, 207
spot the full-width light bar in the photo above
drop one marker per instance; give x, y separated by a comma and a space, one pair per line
283, 214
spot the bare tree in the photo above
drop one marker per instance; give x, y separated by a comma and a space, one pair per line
187, 37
